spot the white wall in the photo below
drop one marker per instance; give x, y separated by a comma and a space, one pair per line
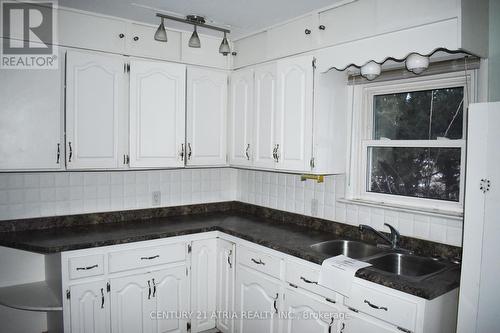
324, 200
24, 195
494, 52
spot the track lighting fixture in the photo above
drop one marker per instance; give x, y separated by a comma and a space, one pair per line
194, 41
161, 33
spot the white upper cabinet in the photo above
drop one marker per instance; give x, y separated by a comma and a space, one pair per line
208, 54
206, 117
140, 43
89, 31
95, 101
157, 114
293, 37
265, 119
31, 114
295, 111
241, 117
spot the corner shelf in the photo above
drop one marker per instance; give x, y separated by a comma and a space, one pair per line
37, 296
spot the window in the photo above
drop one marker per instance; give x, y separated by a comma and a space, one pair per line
409, 141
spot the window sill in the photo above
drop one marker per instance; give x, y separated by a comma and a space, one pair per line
449, 214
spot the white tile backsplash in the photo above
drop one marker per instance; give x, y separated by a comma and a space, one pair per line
287, 192
24, 195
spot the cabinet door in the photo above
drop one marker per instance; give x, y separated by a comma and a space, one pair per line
206, 117
131, 304
225, 284
170, 296
241, 117
140, 42
293, 37
305, 309
89, 308
257, 293
31, 119
206, 55
95, 97
358, 323
265, 116
295, 112
203, 284
157, 114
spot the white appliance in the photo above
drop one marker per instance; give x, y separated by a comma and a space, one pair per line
479, 287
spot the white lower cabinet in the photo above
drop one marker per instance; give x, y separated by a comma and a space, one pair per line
203, 284
90, 308
212, 280
225, 285
257, 301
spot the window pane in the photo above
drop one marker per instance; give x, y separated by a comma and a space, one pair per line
432, 173
419, 115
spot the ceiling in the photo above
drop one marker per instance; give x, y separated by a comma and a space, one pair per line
242, 17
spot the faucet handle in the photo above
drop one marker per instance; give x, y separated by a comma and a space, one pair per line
395, 235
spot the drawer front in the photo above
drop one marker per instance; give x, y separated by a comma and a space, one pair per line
80, 267
146, 256
306, 277
389, 308
259, 261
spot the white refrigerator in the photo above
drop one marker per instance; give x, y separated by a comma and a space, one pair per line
479, 303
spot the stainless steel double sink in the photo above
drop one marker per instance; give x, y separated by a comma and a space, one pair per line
385, 260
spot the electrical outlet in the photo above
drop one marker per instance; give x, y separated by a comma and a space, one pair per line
156, 198
314, 207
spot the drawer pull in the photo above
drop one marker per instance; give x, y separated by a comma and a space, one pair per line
150, 258
308, 281
330, 300
87, 268
258, 262
375, 306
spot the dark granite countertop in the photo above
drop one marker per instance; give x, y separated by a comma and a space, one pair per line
290, 238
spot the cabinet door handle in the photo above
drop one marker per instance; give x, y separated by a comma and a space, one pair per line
229, 259
181, 154
154, 288
277, 153
308, 281
322, 27
102, 298
258, 262
274, 304
70, 152
246, 152
58, 153
190, 151
121, 35
307, 31
342, 328
86, 268
330, 326
274, 153
136, 38
375, 306
149, 258
149, 285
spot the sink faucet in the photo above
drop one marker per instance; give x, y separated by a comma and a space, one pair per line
393, 239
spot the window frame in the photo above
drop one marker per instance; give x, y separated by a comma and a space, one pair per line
362, 127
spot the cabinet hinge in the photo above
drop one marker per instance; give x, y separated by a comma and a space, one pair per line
188, 325
68, 294
108, 287
404, 330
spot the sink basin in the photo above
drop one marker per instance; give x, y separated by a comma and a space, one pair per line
407, 265
349, 248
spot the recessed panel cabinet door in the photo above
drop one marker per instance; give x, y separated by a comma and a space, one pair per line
157, 114
295, 112
90, 308
225, 284
265, 116
170, 296
95, 97
241, 117
31, 119
132, 302
203, 284
257, 294
358, 323
206, 117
